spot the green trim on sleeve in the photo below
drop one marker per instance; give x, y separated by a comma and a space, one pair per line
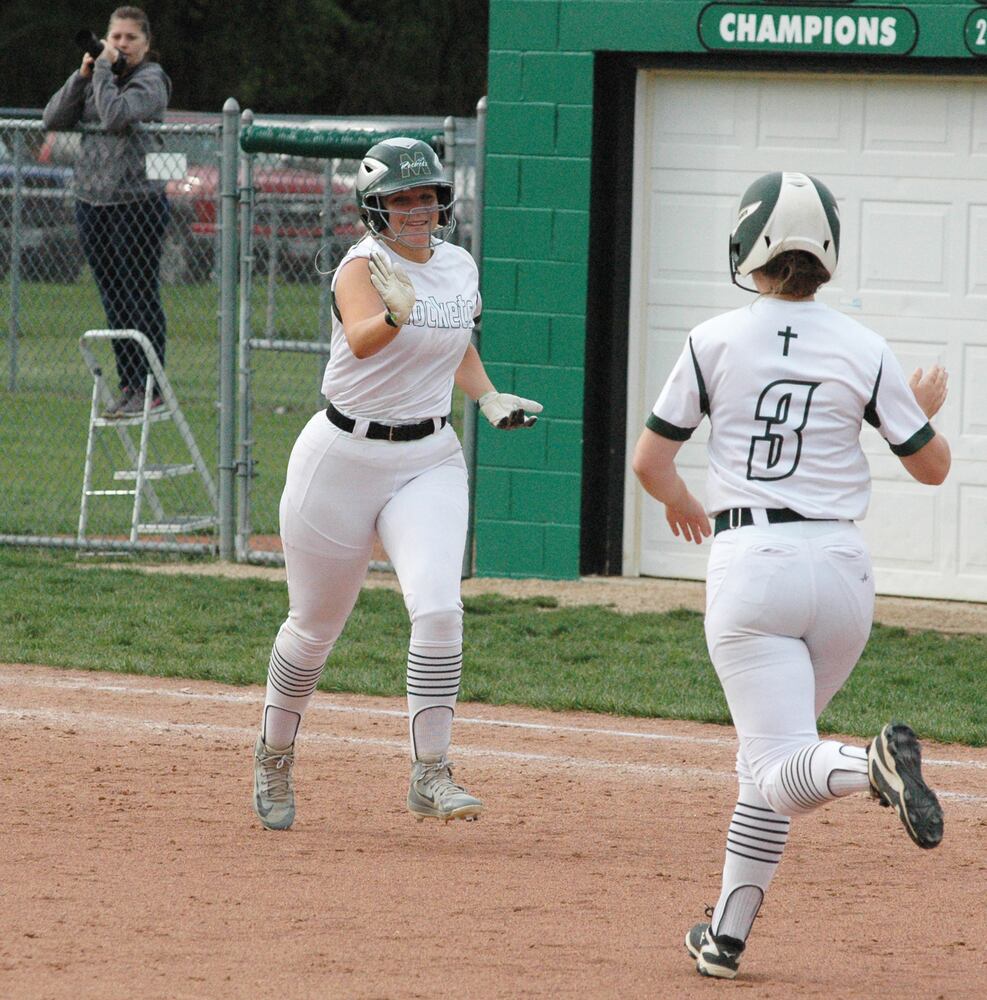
916, 442
667, 430
700, 382
870, 410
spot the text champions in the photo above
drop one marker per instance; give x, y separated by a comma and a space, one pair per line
845, 30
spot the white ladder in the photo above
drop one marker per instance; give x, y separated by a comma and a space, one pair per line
140, 472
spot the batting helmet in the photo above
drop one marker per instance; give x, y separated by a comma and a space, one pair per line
784, 211
398, 165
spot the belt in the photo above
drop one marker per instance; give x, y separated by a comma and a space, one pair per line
385, 432
741, 517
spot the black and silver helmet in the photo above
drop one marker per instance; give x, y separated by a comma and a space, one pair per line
399, 164
784, 211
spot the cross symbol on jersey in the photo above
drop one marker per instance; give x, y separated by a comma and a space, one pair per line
789, 336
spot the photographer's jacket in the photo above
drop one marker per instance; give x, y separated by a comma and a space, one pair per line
111, 166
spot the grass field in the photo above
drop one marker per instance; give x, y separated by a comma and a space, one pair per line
62, 610
45, 406
45, 403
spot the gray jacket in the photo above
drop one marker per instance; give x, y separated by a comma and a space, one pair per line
111, 165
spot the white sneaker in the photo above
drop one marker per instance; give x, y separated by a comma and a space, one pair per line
434, 795
274, 792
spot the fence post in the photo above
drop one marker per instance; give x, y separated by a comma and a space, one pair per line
469, 407
16, 235
227, 324
245, 434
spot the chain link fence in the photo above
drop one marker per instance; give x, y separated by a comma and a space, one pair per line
299, 216
73, 427
75, 259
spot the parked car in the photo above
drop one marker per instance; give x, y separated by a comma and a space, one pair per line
178, 153
45, 233
293, 220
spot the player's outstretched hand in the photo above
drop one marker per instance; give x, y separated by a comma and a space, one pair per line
506, 411
393, 286
930, 388
689, 522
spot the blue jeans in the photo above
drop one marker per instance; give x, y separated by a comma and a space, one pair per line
122, 244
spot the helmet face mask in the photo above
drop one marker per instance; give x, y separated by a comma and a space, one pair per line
784, 211
401, 164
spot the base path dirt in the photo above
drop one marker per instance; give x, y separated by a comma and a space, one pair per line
132, 865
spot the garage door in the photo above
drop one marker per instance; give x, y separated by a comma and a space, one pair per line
907, 160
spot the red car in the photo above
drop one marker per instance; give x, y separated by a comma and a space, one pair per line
293, 219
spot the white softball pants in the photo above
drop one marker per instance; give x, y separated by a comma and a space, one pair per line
788, 611
341, 491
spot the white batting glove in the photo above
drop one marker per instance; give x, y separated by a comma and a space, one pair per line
393, 286
506, 411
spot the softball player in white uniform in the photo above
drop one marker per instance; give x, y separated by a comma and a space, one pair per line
384, 461
786, 383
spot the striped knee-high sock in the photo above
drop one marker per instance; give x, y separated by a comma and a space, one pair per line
818, 773
434, 673
290, 686
755, 842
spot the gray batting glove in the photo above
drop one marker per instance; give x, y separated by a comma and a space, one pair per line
506, 411
393, 286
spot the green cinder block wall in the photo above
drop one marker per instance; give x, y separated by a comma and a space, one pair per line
536, 246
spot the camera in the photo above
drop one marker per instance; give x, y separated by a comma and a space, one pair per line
88, 42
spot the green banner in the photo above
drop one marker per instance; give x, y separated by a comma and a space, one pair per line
886, 31
299, 140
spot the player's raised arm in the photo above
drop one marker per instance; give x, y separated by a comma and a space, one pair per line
930, 464
374, 297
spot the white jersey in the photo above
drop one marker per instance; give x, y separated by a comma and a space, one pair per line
412, 378
786, 386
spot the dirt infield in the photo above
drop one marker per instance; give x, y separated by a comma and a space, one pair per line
132, 866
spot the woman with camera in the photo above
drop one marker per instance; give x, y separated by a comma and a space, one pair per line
121, 213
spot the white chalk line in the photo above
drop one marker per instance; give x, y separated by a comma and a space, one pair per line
98, 721
317, 705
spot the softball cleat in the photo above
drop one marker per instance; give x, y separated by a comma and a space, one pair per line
274, 792
716, 957
433, 794
894, 766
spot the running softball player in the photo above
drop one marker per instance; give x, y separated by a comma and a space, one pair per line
383, 460
786, 383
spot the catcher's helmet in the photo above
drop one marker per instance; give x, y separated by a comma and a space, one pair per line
399, 164
784, 211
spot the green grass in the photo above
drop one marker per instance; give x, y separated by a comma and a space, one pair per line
58, 609
43, 419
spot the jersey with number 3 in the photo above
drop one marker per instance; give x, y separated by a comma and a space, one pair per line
786, 386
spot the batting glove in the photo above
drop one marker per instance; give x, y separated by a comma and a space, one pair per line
506, 411
393, 286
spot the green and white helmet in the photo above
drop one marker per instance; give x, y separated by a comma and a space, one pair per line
784, 211
399, 164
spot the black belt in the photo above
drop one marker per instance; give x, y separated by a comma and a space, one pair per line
385, 432
741, 517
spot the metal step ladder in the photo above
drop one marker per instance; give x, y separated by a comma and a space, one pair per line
139, 471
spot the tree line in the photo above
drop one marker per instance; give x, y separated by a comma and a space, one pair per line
311, 57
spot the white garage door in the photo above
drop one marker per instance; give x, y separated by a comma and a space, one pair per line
907, 160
